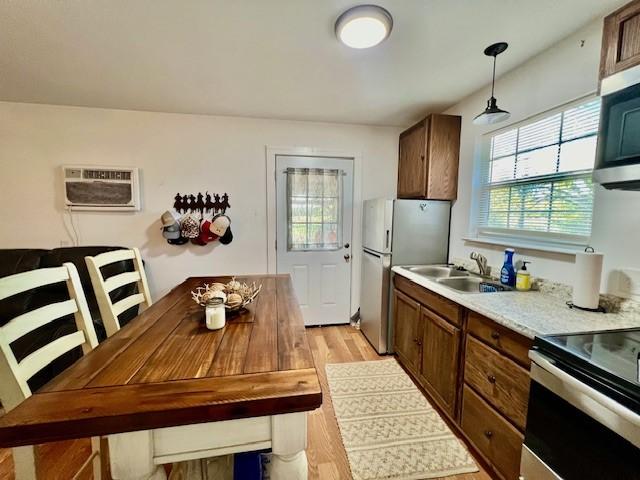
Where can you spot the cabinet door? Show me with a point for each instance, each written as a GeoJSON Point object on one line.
{"type": "Point", "coordinates": [443, 155]}
{"type": "Point", "coordinates": [440, 354]}
{"type": "Point", "coordinates": [407, 331]}
{"type": "Point", "coordinates": [621, 40]}
{"type": "Point", "coordinates": [412, 163]}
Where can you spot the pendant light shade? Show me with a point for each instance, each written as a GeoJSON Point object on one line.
{"type": "Point", "coordinates": [493, 114]}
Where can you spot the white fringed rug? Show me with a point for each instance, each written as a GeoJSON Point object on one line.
{"type": "Point", "coordinates": [389, 429]}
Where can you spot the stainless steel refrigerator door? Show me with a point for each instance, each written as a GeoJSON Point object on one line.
{"type": "Point", "coordinates": [420, 232]}
{"type": "Point", "coordinates": [374, 298]}
{"type": "Point", "coordinates": [376, 225]}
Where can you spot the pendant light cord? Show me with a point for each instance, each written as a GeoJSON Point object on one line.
{"type": "Point", "coordinates": [493, 81]}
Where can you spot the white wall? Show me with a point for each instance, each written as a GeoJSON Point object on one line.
{"type": "Point", "coordinates": [176, 153]}
{"type": "Point", "coordinates": [563, 73]}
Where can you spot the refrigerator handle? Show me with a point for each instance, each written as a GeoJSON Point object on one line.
{"type": "Point", "coordinates": [387, 242]}
{"type": "Point", "coordinates": [372, 254]}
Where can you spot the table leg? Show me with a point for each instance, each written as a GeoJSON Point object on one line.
{"type": "Point", "coordinates": [288, 442]}
{"type": "Point", "coordinates": [24, 461]}
{"type": "Point", "coordinates": [131, 457]}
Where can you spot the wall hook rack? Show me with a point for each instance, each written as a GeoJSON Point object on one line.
{"type": "Point", "coordinates": [210, 203]}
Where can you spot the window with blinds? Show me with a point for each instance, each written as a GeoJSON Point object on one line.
{"type": "Point", "coordinates": [535, 178]}
{"type": "Point", "coordinates": [314, 209]}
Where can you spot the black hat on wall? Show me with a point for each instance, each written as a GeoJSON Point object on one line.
{"type": "Point", "coordinates": [227, 237]}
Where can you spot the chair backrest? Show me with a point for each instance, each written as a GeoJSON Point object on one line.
{"type": "Point", "coordinates": [109, 311]}
{"type": "Point", "coordinates": [15, 374]}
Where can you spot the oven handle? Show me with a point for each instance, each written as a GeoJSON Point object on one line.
{"type": "Point", "coordinates": [544, 363]}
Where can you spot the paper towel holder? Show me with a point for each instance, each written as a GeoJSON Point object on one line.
{"type": "Point", "coordinates": [594, 310]}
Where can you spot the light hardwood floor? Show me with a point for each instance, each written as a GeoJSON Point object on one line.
{"type": "Point", "coordinates": [327, 457]}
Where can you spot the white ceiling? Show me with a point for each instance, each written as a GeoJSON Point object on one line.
{"type": "Point", "coordinates": [269, 58]}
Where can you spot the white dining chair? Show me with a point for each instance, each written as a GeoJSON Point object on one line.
{"type": "Point", "coordinates": [15, 374]}
{"type": "Point", "coordinates": [102, 287]}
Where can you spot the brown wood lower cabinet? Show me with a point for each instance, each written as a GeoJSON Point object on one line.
{"type": "Point", "coordinates": [473, 369]}
{"type": "Point", "coordinates": [498, 440]}
{"type": "Point", "coordinates": [498, 379]}
{"type": "Point", "coordinates": [440, 356]}
{"type": "Point", "coordinates": [408, 332]}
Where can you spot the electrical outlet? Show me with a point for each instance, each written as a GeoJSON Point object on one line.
{"type": "Point", "coordinates": [629, 282]}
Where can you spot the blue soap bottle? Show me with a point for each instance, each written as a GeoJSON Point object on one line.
{"type": "Point", "coordinates": [508, 272]}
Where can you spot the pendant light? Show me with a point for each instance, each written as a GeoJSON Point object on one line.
{"type": "Point", "coordinates": [493, 114]}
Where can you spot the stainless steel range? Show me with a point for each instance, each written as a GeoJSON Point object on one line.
{"type": "Point", "coordinates": [584, 408]}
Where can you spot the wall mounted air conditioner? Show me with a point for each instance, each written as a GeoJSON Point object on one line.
{"type": "Point", "coordinates": [104, 189]}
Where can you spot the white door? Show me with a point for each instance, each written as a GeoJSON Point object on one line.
{"type": "Point", "coordinates": [314, 205]}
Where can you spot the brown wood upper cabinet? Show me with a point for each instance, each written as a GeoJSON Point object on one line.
{"type": "Point", "coordinates": [621, 40]}
{"type": "Point", "coordinates": [428, 158]}
{"type": "Point", "coordinates": [407, 330]}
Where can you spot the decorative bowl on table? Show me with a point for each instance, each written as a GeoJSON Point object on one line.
{"type": "Point", "coordinates": [235, 295]}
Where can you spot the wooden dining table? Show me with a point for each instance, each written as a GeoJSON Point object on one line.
{"type": "Point", "coordinates": [164, 388]}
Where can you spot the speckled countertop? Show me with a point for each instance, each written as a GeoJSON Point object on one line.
{"type": "Point", "coordinates": [530, 313]}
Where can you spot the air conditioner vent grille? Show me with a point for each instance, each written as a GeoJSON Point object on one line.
{"type": "Point", "coordinates": [91, 174]}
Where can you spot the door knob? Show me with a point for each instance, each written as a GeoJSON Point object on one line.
{"type": "Point", "coordinates": [346, 245]}
{"type": "Point", "coordinates": [347, 257]}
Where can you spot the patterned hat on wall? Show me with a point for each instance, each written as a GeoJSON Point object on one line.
{"type": "Point", "coordinates": [190, 227]}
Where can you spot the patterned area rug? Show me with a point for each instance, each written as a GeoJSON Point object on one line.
{"type": "Point", "coordinates": [389, 429]}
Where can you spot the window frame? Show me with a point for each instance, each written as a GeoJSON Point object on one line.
{"type": "Point", "coordinates": [529, 239]}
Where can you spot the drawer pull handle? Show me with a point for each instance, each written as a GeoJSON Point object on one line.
{"type": "Point", "coordinates": [491, 378]}
{"type": "Point", "coordinates": [495, 335]}
{"type": "Point", "coordinates": [488, 433]}
{"type": "Point", "coordinates": [419, 343]}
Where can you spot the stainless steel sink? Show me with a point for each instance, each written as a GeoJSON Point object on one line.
{"type": "Point", "coordinates": [470, 284]}
{"type": "Point", "coordinates": [438, 271]}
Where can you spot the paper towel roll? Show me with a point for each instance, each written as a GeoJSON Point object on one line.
{"type": "Point", "coordinates": [586, 286]}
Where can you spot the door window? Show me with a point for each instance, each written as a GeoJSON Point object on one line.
{"type": "Point", "coordinates": [314, 209]}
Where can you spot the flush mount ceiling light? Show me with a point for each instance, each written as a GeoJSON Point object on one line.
{"type": "Point", "coordinates": [493, 114]}
{"type": "Point", "coordinates": [364, 26]}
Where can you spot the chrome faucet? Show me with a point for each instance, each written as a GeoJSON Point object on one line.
{"type": "Point", "coordinates": [481, 260]}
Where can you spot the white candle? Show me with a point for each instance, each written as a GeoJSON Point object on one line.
{"type": "Point", "coordinates": [215, 314]}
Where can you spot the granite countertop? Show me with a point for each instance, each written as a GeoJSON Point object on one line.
{"type": "Point", "coordinates": [532, 313]}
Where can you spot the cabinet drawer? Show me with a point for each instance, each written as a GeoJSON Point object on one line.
{"type": "Point", "coordinates": [501, 382]}
{"type": "Point", "coordinates": [444, 307]}
{"type": "Point", "coordinates": [501, 338]}
{"type": "Point", "coordinates": [498, 440]}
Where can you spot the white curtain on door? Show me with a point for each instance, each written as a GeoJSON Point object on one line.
{"type": "Point", "coordinates": [314, 209]}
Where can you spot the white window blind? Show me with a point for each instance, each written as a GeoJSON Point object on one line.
{"type": "Point", "coordinates": [535, 179]}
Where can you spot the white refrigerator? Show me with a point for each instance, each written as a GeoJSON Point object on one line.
{"type": "Point", "coordinates": [396, 232]}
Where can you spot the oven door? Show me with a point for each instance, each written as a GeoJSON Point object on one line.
{"type": "Point", "coordinates": [575, 432]}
